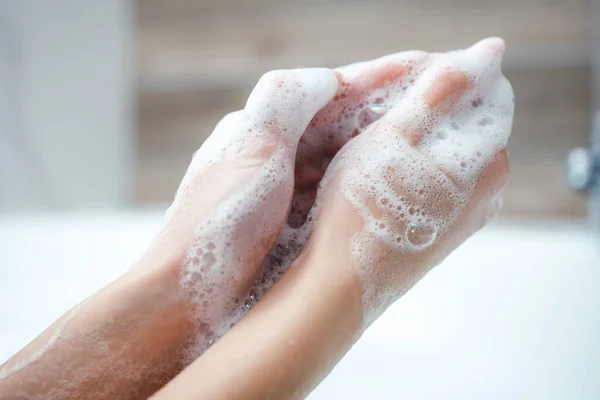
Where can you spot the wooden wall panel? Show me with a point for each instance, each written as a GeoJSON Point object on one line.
{"type": "Point", "coordinates": [203, 43]}
{"type": "Point", "coordinates": [198, 60]}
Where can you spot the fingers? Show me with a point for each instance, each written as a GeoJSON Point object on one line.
{"type": "Point", "coordinates": [381, 81]}
{"type": "Point", "coordinates": [446, 90]}
{"type": "Point", "coordinates": [413, 118]}
{"type": "Point", "coordinates": [453, 86]}
{"type": "Point", "coordinates": [277, 112]}
{"type": "Point", "coordinates": [492, 46]}
{"type": "Point", "coordinates": [365, 93]}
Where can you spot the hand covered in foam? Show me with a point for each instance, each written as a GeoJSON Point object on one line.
{"type": "Point", "coordinates": [235, 197]}
{"type": "Point", "coordinates": [421, 176]}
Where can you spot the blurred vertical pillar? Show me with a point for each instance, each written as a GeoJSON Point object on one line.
{"type": "Point", "coordinates": [67, 135]}
{"type": "Point", "coordinates": [594, 24]}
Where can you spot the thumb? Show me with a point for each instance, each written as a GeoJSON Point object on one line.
{"type": "Point", "coordinates": [285, 101]}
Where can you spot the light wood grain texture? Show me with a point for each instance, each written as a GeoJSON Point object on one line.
{"type": "Point", "coordinates": [231, 43]}
{"type": "Point", "coordinates": [552, 116]}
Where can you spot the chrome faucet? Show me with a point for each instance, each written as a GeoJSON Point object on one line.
{"type": "Point", "coordinates": [583, 164]}
{"type": "Point", "coordinates": [583, 173]}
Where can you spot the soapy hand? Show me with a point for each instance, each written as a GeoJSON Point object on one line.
{"type": "Point", "coordinates": [425, 176]}
{"type": "Point", "coordinates": [235, 196]}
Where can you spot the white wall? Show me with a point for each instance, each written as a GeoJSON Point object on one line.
{"type": "Point", "coordinates": [66, 120]}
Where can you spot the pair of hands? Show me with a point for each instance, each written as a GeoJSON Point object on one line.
{"type": "Point", "coordinates": [307, 213]}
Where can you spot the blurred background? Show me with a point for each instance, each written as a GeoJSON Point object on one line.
{"type": "Point", "coordinates": [102, 104]}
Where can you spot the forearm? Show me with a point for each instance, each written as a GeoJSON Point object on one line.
{"type": "Point", "coordinates": [123, 342]}
{"type": "Point", "coordinates": [291, 339]}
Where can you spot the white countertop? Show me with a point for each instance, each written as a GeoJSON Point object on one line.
{"type": "Point", "coordinates": [513, 314]}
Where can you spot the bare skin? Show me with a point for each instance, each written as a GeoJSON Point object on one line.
{"type": "Point", "coordinates": [137, 334]}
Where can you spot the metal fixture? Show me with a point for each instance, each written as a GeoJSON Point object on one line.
{"type": "Point", "coordinates": [583, 164]}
